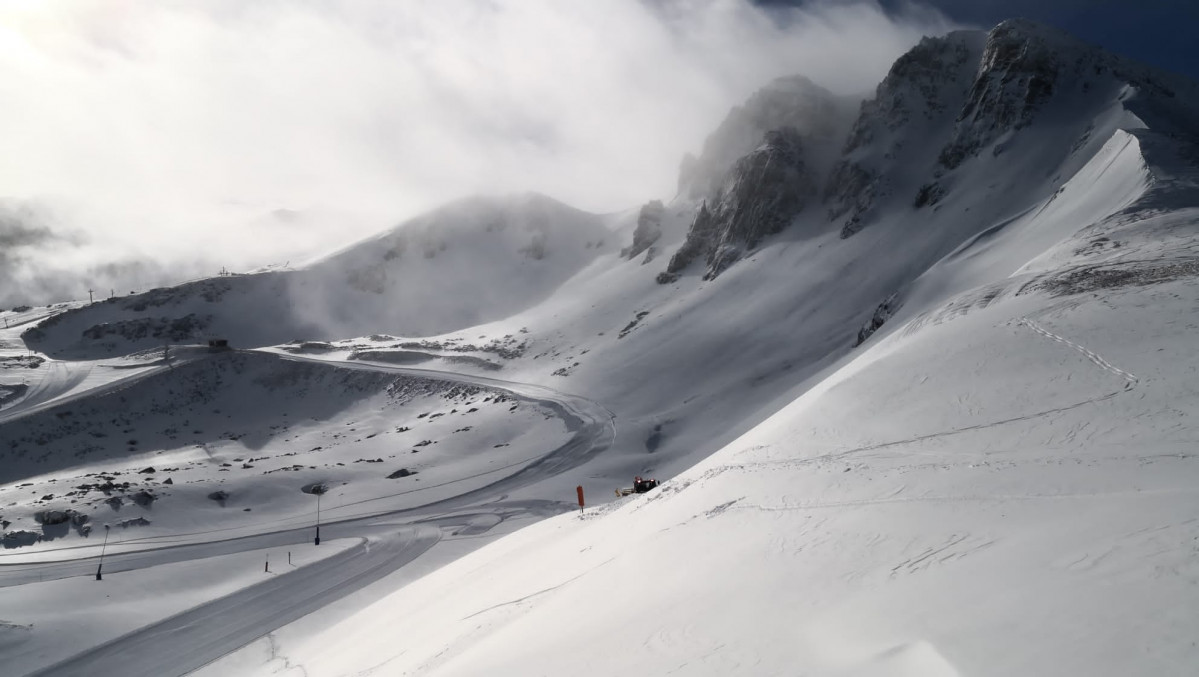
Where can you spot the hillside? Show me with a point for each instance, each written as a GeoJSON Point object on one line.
{"type": "Point", "coordinates": [997, 481]}
{"type": "Point", "coordinates": [472, 261]}
{"type": "Point", "coordinates": [916, 371]}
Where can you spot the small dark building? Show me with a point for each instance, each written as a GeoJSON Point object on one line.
{"type": "Point", "coordinates": [218, 344]}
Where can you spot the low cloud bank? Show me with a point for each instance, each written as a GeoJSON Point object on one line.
{"type": "Point", "coordinates": [234, 133]}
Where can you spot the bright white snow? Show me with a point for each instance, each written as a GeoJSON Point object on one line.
{"type": "Point", "coordinates": [1000, 480]}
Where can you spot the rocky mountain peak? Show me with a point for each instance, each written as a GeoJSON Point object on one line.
{"type": "Point", "coordinates": [760, 196]}
{"type": "Point", "coordinates": [1018, 72]}
{"type": "Point", "coordinates": [921, 94]}
{"type": "Point", "coordinates": [929, 79]}
{"type": "Point", "coordinates": [794, 102]}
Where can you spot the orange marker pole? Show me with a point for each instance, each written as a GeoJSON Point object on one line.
{"type": "Point", "coordinates": [579, 490]}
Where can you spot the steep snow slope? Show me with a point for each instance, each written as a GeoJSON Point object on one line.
{"type": "Point", "coordinates": [1017, 197]}
{"type": "Point", "coordinates": [474, 260]}
{"type": "Point", "coordinates": [979, 497]}
{"type": "Point", "coordinates": [999, 481]}
{"type": "Point", "coordinates": [689, 365]}
{"type": "Point", "coordinates": [1003, 484]}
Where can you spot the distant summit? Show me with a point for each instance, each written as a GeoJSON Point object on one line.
{"type": "Point", "coordinates": [955, 113]}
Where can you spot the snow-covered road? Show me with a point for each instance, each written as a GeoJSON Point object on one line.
{"type": "Point", "coordinates": [189, 640]}
{"type": "Point", "coordinates": [593, 427]}
{"type": "Point", "coordinates": [388, 540]}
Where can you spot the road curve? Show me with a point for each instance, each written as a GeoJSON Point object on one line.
{"type": "Point", "coordinates": [593, 425]}
{"type": "Point", "coordinates": [391, 539]}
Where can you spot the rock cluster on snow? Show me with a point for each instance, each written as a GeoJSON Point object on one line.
{"type": "Point", "coordinates": [881, 314]}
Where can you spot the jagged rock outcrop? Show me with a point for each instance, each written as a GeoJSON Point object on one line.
{"type": "Point", "coordinates": [913, 104]}
{"type": "Point", "coordinates": [882, 313]}
{"type": "Point", "coordinates": [1018, 72]}
{"type": "Point", "coordinates": [760, 196]}
{"type": "Point", "coordinates": [952, 99]}
{"type": "Point", "coordinates": [793, 102]}
{"type": "Point", "coordinates": [649, 229]}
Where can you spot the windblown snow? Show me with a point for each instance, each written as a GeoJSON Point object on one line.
{"type": "Point", "coordinates": [919, 380]}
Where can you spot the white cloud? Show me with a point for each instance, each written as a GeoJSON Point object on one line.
{"type": "Point", "coordinates": [175, 128]}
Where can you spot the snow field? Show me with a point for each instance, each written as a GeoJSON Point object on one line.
{"type": "Point", "coordinates": [45, 622]}
{"type": "Point", "coordinates": [259, 429]}
{"type": "Point", "coordinates": [1020, 511]}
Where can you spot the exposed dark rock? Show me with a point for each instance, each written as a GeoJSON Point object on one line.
{"type": "Point", "coordinates": [1017, 74]}
{"type": "Point", "coordinates": [21, 537]}
{"type": "Point", "coordinates": [52, 516]}
{"type": "Point", "coordinates": [219, 496]}
{"type": "Point", "coordinates": [928, 195]}
{"type": "Point", "coordinates": [632, 324]}
{"type": "Point", "coordinates": [922, 90]}
{"type": "Point", "coordinates": [793, 102]}
{"type": "Point", "coordinates": [762, 194]}
{"type": "Point", "coordinates": [649, 229]}
{"type": "Point", "coordinates": [187, 328]}
{"type": "Point", "coordinates": [402, 472]}
{"type": "Point", "coordinates": [881, 314]}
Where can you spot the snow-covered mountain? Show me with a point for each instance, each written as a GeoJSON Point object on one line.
{"type": "Point", "coordinates": [472, 261]}
{"type": "Point", "coordinates": [918, 375]}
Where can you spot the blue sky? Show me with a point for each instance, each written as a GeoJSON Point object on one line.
{"type": "Point", "coordinates": [1159, 32]}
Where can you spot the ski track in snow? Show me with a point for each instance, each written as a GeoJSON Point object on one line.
{"type": "Point", "coordinates": [838, 455]}
{"type": "Point", "coordinates": [1130, 379]}
{"type": "Point", "coordinates": [1089, 354]}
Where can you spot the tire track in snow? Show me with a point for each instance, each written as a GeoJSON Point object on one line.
{"type": "Point", "coordinates": [1089, 354]}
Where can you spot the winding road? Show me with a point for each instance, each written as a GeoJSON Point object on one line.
{"type": "Point", "coordinates": [388, 540]}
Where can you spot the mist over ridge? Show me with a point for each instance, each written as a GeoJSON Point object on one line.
{"type": "Point", "coordinates": [170, 141]}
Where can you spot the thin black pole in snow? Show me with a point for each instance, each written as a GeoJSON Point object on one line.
{"type": "Point", "coordinates": [268, 564]}
{"type": "Point", "coordinates": [99, 575]}
{"type": "Point", "coordinates": [318, 519]}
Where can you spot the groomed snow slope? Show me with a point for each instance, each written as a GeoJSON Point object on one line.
{"type": "Point", "coordinates": [1003, 480]}
{"type": "Point", "coordinates": [1006, 484]}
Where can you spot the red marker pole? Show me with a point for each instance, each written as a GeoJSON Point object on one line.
{"type": "Point", "coordinates": [579, 490]}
